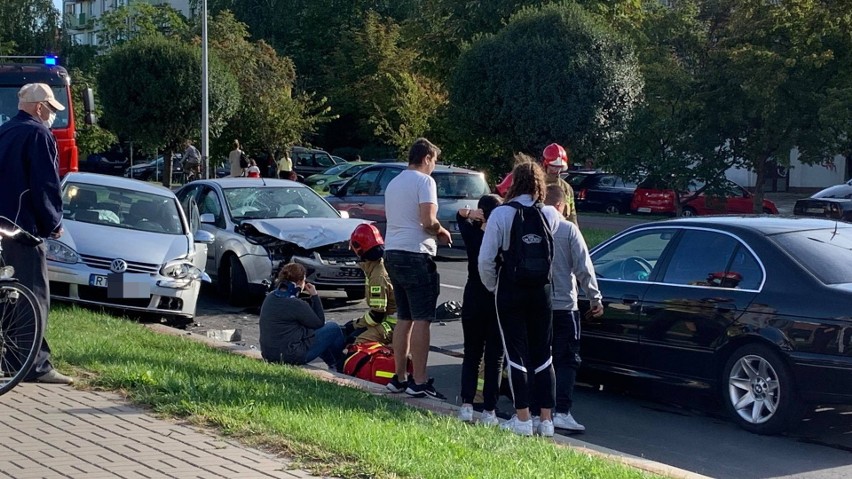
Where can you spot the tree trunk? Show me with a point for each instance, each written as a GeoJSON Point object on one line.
{"type": "Point", "coordinates": [760, 179]}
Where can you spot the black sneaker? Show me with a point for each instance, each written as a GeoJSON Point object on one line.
{"type": "Point", "coordinates": [396, 386]}
{"type": "Point", "coordinates": [423, 390]}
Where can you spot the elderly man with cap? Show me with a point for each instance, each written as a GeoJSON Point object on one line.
{"type": "Point", "coordinates": [30, 196]}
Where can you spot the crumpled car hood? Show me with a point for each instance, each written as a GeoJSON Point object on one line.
{"type": "Point", "coordinates": [307, 233]}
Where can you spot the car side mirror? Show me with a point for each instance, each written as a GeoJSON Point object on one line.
{"type": "Point", "coordinates": [208, 218]}
{"type": "Point", "coordinates": [344, 214]}
{"type": "Point", "coordinates": [205, 237]}
{"type": "Point", "coordinates": [334, 189]}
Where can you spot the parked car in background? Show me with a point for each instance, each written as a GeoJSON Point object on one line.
{"type": "Point", "coordinates": [363, 196]}
{"type": "Point", "coordinates": [598, 191]}
{"type": "Point", "coordinates": [753, 309]}
{"type": "Point", "coordinates": [654, 195]}
{"type": "Point", "coordinates": [343, 171]}
{"type": "Point", "coordinates": [261, 225]}
{"type": "Point", "coordinates": [833, 202]}
{"type": "Point", "coordinates": [310, 161]}
{"type": "Point", "coordinates": [153, 170]}
{"type": "Point", "coordinates": [105, 164]}
{"type": "Point", "coordinates": [127, 244]}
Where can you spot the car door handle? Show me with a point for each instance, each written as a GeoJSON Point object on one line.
{"type": "Point", "coordinates": [629, 299]}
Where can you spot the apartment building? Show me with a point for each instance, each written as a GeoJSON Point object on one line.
{"type": "Point", "coordinates": [80, 15]}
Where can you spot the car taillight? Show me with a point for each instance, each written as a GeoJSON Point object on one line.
{"type": "Point", "coordinates": [581, 195]}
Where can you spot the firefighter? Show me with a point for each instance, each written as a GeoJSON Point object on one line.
{"type": "Point", "coordinates": [376, 324]}
{"type": "Point", "coordinates": [554, 160]}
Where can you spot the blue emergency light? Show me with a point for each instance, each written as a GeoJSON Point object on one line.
{"type": "Point", "coordinates": [50, 60]}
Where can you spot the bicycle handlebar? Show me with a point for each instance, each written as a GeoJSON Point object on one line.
{"type": "Point", "coordinates": [18, 231]}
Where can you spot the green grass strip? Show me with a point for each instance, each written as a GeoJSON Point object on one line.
{"type": "Point", "coordinates": [328, 428]}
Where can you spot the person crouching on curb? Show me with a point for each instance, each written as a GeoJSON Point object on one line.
{"type": "Point", "coordinates": [293, 332]}
{"type": "Point", "coordinates": [377, 324]}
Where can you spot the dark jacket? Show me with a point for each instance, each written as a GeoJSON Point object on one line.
{"type": "Point", "coordinates": [287, 326]}
{"type": "Point", "coordinates": [29, 175]}
{"type": "Point", "coordinates": [472, 235]}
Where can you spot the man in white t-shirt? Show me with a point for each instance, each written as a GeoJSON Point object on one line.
{"type": "Point", "coordinates": [411, 241]}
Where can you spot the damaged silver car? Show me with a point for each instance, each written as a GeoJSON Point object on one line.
{"type": "Point", "coordinates": [262, 224]}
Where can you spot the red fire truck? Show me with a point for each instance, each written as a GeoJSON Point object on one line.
{"type": "Point", "coordinates": [15, 75]}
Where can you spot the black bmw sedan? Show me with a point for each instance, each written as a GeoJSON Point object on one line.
{"type": "Point", "coordinates": [755, 309]}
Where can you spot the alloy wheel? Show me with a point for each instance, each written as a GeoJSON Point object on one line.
{"type": "Point", "coordinates": [754, 389]}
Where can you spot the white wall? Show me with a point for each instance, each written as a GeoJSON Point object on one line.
{"type": "Point", "coordinates": [800, 175]}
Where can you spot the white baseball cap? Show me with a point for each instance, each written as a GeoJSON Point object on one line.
{"type": "Point", "coordinates": [38, 93]}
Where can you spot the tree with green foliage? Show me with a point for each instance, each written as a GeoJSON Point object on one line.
{"type": "Point", "coordinates": [90, 138]}
{"type": "Point", "coordinates": [272, 115]}
{"type": "Point", "coordinates": [28, 27]}
{"type": "Point", "coordinates": [381, 89]}
{"type": "Point", "coordinates": [555, 73]}
{"type": "Point", "coordinates": [666, 139]}
{"type": "Point", "coordinates": [138, 19]}
{"type": "Point", "coordinates": [768, 67]}
{"type": "Point", "coordinates": [151, 93]}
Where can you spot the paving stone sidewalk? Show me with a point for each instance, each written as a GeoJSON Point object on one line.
{"type": "Point", "coordinates": [56, 431]}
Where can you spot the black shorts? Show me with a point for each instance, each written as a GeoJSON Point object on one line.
{"type": "Point", "coordinates": [416, 284]}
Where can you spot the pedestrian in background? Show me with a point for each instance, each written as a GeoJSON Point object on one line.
{"type": "Point", "coordinates": [479, 319]}
{"type": "Point", "coordinates": [191, 160]}
{"type": "Point", "coordinates": [413, 233]}
{"type": "Point", "coordinates": [234, 158]}
{"type": "Point", "coordinates": [523, 306]}
{"type": "Point", "coordinates": [253, 171]}
{"type": "Point", "coordinates": [571, 265]}
{"type": "Point", "coordinates": [30, 196]}
{"type": "Point", "coordinates": [285, 168]}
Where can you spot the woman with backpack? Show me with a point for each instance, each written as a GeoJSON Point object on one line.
{"type": "Point", "coordinates": [515, 263]}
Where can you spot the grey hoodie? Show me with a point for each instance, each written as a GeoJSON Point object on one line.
{"type": "Point", "coordinates": [571, 261]}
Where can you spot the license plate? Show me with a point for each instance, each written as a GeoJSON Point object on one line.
{"type": "Point", "coordinates": [128, 285]}
{"type": "Point", "coordinates": [98, 280]}
{"type": "Point", "coordinates": [644, 209]}
{"type": "Point", "coordinates": [815, 210]}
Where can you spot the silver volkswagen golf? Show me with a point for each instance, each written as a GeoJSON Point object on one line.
{"type": "Point", "coordinates": [127, 244]}
{"type": "Point", "coordinates": [261, 224]}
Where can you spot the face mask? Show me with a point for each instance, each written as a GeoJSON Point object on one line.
{"type": "Point", "coordinates": [51, 117]}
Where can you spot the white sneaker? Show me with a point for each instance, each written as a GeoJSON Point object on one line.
{"type": "Point", "coordinates": [536, 422]}
{"type": "Point", "coordinates": [489, 418]}
{"type": "Point", "coordinates": [545, 428]}
{"type": "Point", "coordinates": [523, 428]}
{"type": "Point", "coordinates": [563, 420]}
{"type": "Point", "coordinates": [466, 413]}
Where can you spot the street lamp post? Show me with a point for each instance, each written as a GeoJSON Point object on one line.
{"type": "Point", "coordinates": [205, 112]}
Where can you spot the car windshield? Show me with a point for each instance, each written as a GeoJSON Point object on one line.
{"type": "Point", "coordinates": [277, 202]}
{"type": "Point", "coordinates": [460, 185]}
{"type": "Point", "coordinates": [121, 208]}
{"type": "Point", "coordinates": [576, 180]}
{"type": "Point", "coordinates": [824, 252]}
{"type": "Point", "coordinates": [9, 104]}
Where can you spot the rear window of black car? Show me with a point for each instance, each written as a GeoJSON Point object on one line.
{"type": "Point", "coordinates": [825, 253]}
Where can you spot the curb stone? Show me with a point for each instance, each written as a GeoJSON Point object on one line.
{"type": "Point", "coordinates": [439, 407]}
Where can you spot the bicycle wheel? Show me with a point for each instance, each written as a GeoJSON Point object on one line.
{"type": "Point", "coordinates": [21, 330]}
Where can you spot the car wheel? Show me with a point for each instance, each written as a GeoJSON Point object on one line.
{"type": "Point", "coordinates": [612, 209]}
{"type": "Point", "coordinates": [689, 212]}
{"type": "Point", "coordinates": [758, 390]}
{"type": "Point", "coordinates": [238, 289]}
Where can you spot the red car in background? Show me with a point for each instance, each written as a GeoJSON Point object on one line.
{"type": "Point", "coordinates": [656, 197]}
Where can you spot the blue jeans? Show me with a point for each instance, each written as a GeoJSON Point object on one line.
{"type": "Point", "coordinates": [328, 345]}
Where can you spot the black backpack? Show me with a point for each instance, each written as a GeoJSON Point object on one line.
{"type": "Point", "coordinates": [243, 161]}
{"type": "Point", "coordinates": [530, 254]}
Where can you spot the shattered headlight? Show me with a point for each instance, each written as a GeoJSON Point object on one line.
{"type": "Point", "coordinates": [181, 269]}
{"type": "Point", "coordinates": [61, 253]}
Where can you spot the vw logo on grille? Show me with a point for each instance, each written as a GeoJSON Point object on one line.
{"type": "Point", "coordinates": [118, 266]}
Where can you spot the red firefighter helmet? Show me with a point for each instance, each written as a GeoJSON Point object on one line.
{"type": "Point", "coordinates": [554, 156]}
{"type": "Point", "coordinates": [365, 237]}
